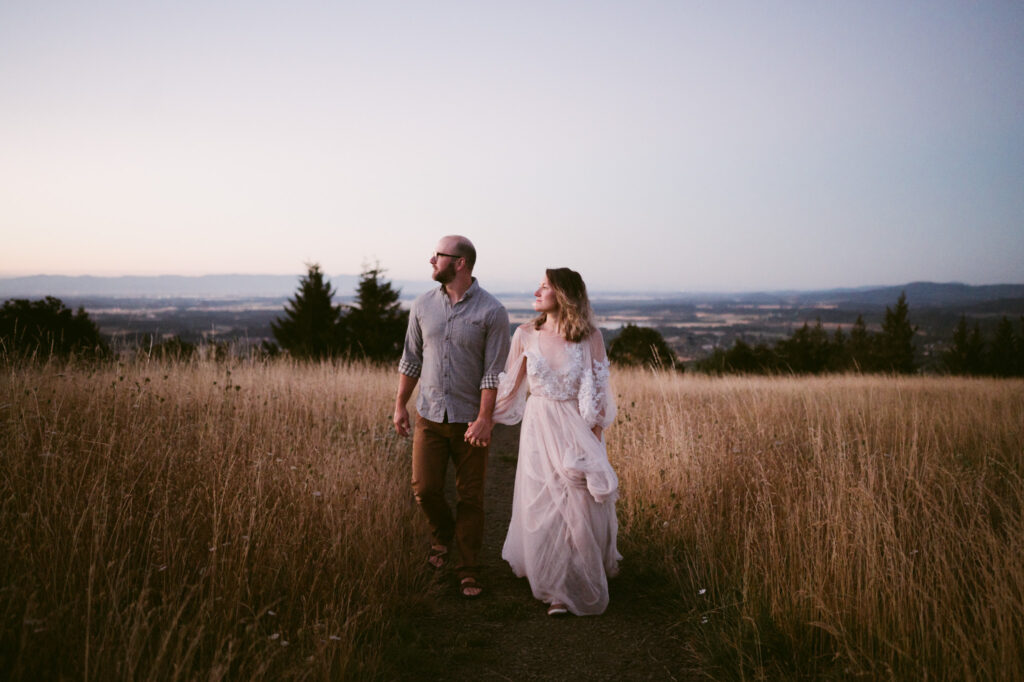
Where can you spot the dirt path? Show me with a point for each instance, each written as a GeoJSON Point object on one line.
{"type": "Point", "coordinates": [507, 635]}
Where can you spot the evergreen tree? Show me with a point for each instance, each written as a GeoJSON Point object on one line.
{"type": "Point", "coordinates": [965, 356]}
{"type": "Point", "coordinates": [807, 351]}
{"type": "Point", "coordinates": [839, 358]}
{"type": "Point", "coordinates": [642, 346]}
{"type": "Point", "coordinates": [896, 342]}
{"type": "Point", "coordinates": [1019, 348]}
{"type": "Point", "coordinates": [1002, 356]}
{"type": "Point", "coordinates": [976, 351]}
{"type": "Point", "coordinates": [742, 358]}
{"type": "Point", "coordinates": [859, 347]}
{"type": "Point", "coordinates": [47, 328]}
{"type": "Point", "coordinates": [375, 326]}
{"type": "Point", "coordinates": [311, 327]}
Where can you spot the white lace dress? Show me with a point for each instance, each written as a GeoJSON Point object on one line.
{"type": "Point", "coordinates": [563, 528]}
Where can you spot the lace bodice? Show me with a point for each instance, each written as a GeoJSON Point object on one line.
{"type": "Point", "coordinates": [556, 369]}
{"type": "Point", "coordinates": [561, 384]}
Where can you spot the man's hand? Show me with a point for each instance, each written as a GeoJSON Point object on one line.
{"type": "Point", "coordinates": [406, 384]}
{"type": "Point", "coordinates": [478, 433]}
{"type": "Point", "coordinates": [401, 420]}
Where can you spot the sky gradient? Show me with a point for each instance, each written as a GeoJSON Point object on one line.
{"type": "Point", "coordinates": [689, 146]}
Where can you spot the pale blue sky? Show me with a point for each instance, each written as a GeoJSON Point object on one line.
{"type": "Point", "coordinates": [650, 145]}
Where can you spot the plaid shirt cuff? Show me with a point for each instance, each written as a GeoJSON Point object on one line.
{"type": "Point", "coordinates": [409, 368]}
{"type": "Point", "coordinates": [489, 381]}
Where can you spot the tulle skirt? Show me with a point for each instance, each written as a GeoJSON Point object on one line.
{"type": "Point", "coordinates": [563, 528]}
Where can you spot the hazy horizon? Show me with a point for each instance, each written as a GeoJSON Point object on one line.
{"type": "Point", "coordinates": [343, 281]}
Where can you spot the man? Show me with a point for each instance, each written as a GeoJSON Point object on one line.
{"type": "Point", "coordinates": [455, 348]}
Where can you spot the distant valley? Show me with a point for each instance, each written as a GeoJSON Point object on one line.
{"type": "Point", "coordinates": [240, 308]}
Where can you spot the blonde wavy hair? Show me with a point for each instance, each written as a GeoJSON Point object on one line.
{"type": "Point", "coordinates": [574, 314]}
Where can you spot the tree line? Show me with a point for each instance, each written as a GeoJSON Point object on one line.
{"type": "Point", "coordinates": [812, 350]}
{"type": "Point", "coordinates": [972, 354]}
{"type": "Point", "coordinates": [312, 327]}
{"type": "Point", "coordinates": [372, 328]}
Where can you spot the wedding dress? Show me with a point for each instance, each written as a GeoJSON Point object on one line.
{"type": "Point", "coordinates": [563, 528]}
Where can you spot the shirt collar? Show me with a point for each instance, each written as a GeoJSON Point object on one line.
{"type": "Point", "coordinates": [473, 288]}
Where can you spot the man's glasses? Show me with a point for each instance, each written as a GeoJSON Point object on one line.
{"type": "Point", "coordinates": [438, 254]}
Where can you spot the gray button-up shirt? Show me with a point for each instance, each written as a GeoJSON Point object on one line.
{"type": "Point", "coordinates": [455, 350]}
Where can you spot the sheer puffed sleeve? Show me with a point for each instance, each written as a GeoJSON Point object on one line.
{"type": "Point", "coordinates": [512, 384]}
{"type": "Point", "coordinates": [597, 403]}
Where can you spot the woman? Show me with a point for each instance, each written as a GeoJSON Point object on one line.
{"type": "Point", "coordinates": [562, 533]}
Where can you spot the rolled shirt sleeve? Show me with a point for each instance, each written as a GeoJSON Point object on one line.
{"type": "Point", "coordinates": [411, 363]}
{"type": "Point", "coordinates": [409, 368]}
{"type": "Point", "coordinates": [495, 348]}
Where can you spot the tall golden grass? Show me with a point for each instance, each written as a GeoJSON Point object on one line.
{"type": "Point", "coordinates": [253, 521]}
{"type": "Point", "coordinates": [833, 526]}
{"type": "Point", "coordinates": [201, 521]}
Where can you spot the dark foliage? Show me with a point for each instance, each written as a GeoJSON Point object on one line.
{"type": "Point", "coordinates": [807, 351]}
{"type": "Point", "coordinates": [374, 328]}
{"type": "Point", "coordinates": [642, 346]}
{"type": "Point", "coordinates": [742, 358]}
{"type": "Point", "coordinates": [314, 328]}
{"type": "Point", "coordinates": [311, 329]}
{"type": "Point", "coordinates": [46, 328]}
{"type": "Point", "coordinates": [174, 348]}
{"type": "Point", "coordinates": [970, 354]}
{"type": "Point", "coordinates": [860, 349]}
{"type": "Point", "coordinates": [896, 342]}
{"type": "Point", "coordinates": [1004, 355]}
{"type": "Point", "coordinates": [811, 350]}
{"type": "Point", "coordinates": [966, 355]}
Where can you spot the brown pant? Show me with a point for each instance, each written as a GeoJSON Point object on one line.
{"type": "Point", "coordinates": [432, 445]}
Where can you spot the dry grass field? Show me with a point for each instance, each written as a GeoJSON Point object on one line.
{"type": "Point", "coordinates": [253, 521]}
{"type": "Point", "coordinates": [200, 521]}
{"type": "Point", "coordinates": [846, 526]}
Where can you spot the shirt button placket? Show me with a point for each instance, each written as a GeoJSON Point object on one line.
{"type": "Point", "coordinates": [447, 361]}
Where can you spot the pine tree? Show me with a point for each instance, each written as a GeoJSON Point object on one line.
{"type": "Point", "coordinates": [896, 342]}
{"type": "Point", "coordinates": [311, 327]}
{"type": "Point", "coordinates": [965, 356]}
{"type": "Point", "coordinates": [740, 358]}
{"type": "Point", "coordinates": [1019, 349]}
{"type": "Point", "coordinates": [976, 351]}
{"type": "Point", "coordinates": [859, 347]}
{"type": "Point", "coordinates": [806, 351]}
{"type": "Point", "coordinates": [839, 357]}
{"type": "Point", "coordinates": [375, 326]}
{"type": "Point", "coordinates": [1002, 355]}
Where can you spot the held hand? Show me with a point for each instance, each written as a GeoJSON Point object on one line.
{"type": "Point", "coordinates": [478, 433]}
{"type": "Point", "coordinates": [401, 420]}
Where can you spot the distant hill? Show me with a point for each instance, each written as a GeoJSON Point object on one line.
{"type": "Point", "coordinates": [932, 294]}
{"type": "Point", "coordinates": [919, 295]}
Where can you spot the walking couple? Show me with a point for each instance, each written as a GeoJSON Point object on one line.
{"type": "Point", "coordinates": [457, 349]}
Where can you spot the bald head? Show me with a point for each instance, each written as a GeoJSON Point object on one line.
{"type": "Point", "coordinates": [462, 247]}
